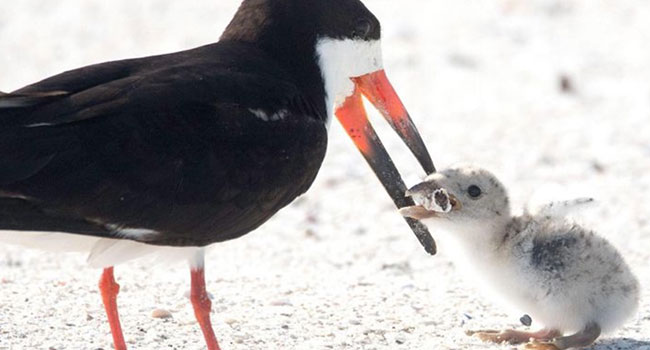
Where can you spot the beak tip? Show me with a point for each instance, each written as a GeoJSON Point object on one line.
{"type": "Point", "coordinates": [423, 235]}
{"type": "Point", "coordinates": [405, 212]}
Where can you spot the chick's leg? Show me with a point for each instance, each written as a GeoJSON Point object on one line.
{"type": "Point", "coordinates": [513, 336]}
{"type": "Point", "coordinates": [583, 338]}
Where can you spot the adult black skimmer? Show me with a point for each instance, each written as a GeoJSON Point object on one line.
{"type": "Point", "coordinates": [199, 146]}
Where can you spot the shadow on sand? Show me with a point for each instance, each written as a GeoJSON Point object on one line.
{"type": "Point", "coordinates": [621, 344]}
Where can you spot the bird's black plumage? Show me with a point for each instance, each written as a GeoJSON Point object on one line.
{"type": "Point", "coordinates": [166, 143]}
{"type": "Point", "coordinates": [193, 147]}
{"type": "Point", "coordinates": [199, 146]}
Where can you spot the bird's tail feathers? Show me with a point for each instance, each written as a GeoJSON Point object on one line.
{"type": "Point", "coordinates": [563, 208]}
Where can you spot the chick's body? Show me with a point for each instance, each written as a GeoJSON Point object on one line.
{"type": "Point", "coordinates": [564, 276]}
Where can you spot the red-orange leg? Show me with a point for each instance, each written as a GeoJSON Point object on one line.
{"type": "Point", "coordinates": [109, 290]}
{"type": "Point", "coordinates": [202, 304]}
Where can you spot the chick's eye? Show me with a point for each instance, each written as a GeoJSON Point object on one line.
{"type": "Point", "coordinates": [362, 29]}
{"type": "Point", "coordinates": [474, 191]}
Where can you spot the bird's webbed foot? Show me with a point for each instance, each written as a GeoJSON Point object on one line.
{"type": "Point", "coordinates": [512, 336]}
{"type": "Point", "coordinates": [541, 345]}
{"type": "Point", "coordinates": [583, 338]}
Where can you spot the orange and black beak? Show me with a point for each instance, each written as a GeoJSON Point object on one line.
{"type": "Point", "coordinates": [352, 115]}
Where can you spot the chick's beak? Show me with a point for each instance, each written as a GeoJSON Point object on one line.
{"type": "Point", "coordinates": [455, 203]}
{"type": "Point", "coordinates": [352, 115]}
{"type": "Point", "coordinates": [417, 212]}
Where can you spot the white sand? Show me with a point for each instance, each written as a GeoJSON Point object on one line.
{"type": "Point", "coordinates": [339, 269]}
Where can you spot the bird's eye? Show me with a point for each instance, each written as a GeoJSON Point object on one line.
{"type": "Point", "coordinates": [474, 191]}
{"type": "Point", "coordinates": [362, 29]}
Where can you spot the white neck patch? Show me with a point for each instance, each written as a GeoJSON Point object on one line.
{"type": "Point", "coordinates": [340, 60]}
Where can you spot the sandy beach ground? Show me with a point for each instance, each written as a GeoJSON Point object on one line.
{"type": "Point", "coordinates": [339, 269]}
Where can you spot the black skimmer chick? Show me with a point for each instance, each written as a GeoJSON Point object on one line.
{"type": "Point", "coordinates": [195, 147]}
{"type": "Point", "coordinates": [561, 274]}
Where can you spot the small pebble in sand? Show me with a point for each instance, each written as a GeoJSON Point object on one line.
{"type": "Point", "coordinates": [282, 302]}
{"type": "Point", "coordinates": [161, 313]}
{"type": "Point", "coordinates": [566, 84]}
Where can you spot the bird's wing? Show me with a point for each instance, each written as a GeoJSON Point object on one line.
{"type": "Point", "coordinates": [70, 87]}
{"type": "Point", "coordinates": [18, 100]}
{"type": "Point", "coordinates": [551, 253]}
{"type": "Point", "coordinates": [170, 148]}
